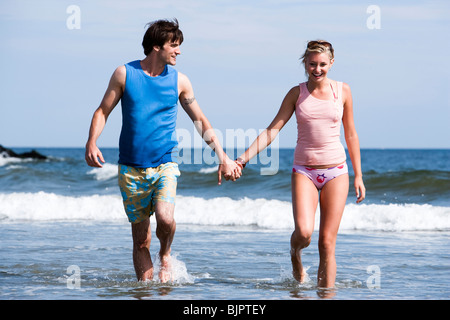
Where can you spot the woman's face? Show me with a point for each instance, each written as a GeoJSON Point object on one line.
{"type": "Point", "coordinates": [317, 66]}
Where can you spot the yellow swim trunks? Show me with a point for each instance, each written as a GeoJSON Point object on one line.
{"type": "Point", "coordinates": [142, 188]}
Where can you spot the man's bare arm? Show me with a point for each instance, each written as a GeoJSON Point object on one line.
{"type": "Point", "coordinates": [227, 167]}
{"type": "Point", "coordinates": [110, 99]}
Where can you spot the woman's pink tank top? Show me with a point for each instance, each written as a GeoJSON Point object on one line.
{"type": "Point", "coordinates": [319, 126]}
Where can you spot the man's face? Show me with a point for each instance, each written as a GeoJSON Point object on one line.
{"type": "Point", "coordinates": [169, 51]}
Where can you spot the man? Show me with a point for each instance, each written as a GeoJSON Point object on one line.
{"type": "Point", "coordinates": [150, 90]}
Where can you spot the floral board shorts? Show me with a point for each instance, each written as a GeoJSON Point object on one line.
{"type": "Point", "coordinates": [142, 188]}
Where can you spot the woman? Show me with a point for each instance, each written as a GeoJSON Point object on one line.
{"type": "Point", "coordinates": [319, 171]}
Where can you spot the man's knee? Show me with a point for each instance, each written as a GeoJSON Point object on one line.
{"type": "Point", "coordinates": [141, 234]}
{"type": "Point", "coordinates": [142, 241]}
{"type": "Point", "coordinates": [165, 227]}
{"type": "Point", "coordinates": [165, 216]}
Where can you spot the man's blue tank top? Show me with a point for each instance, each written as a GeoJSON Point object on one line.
{"type": "Point", "coordinates": [149, 113]}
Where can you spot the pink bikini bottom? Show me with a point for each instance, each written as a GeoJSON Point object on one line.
{"type": "Point", "coordinates": [321, 176]}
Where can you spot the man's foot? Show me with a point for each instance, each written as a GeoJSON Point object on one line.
{"type": "Point", "coordinates": [165, 270]}
{"type": "Point", "coordinates": [146, 276]}
{"type": "Point", "coordinates": [298, 272]}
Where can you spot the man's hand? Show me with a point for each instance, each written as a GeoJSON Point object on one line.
{"type": "Point", "coordinates": [229, 169]}
{"type": "Point", "coordinates": [93, 154]}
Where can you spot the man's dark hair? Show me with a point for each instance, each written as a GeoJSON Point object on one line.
{"type": "Point", "coordinates": [159, 32]}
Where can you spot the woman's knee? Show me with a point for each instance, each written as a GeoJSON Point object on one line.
{"type": "Point", "coordinates": [327, 244]}
{"type": "Point", "coordinates": [301, 239]}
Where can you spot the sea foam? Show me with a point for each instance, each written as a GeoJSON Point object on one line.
{"type": "Point", "coordinates": [108, 171]}
{"type": "Point", "coordinates": [223, 211]}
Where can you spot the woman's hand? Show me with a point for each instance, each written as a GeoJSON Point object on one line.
{"type": "Point", "coordinates": [360, 190]}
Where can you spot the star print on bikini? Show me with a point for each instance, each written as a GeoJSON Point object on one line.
{"type": "Point", "coordinates": [321, 178]}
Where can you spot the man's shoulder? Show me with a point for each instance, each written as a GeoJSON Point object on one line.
{"type": "Point", "coordinates": [183, 77]}
{"type": "Point", "coordinates": [120, 74]}
{"type": "Point", "coordinates": [171, 69]}
{"type": "Point", "coordinates": [184, 81]}
{"type": "Point", "coordinates": [133, 63]}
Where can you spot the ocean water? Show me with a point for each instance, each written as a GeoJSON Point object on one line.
{"type": "Point", "coordinates": [64, 234]}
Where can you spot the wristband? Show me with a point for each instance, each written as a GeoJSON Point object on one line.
{"type": "Point", "coordinates": [241, 162]}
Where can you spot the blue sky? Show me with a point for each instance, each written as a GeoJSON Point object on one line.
{"type": "Point", "coordinates": [241, 56]}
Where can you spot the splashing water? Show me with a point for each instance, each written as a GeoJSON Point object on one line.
{"type": "Point", "coordinates": [178, 270]}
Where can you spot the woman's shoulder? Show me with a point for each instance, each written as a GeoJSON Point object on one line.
{"type": "Point", "coordinates": [342, 83]}
{"type": "Point", "coordinates": [293, 93]}
{"type": "Point", "coordinates": [345, 88]}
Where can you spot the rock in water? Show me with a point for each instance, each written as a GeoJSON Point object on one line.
{"type": "Point", "coordinates": [8, 153]}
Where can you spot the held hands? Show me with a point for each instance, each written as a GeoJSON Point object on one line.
{"type": "Point", "coordinates": [231, 170]}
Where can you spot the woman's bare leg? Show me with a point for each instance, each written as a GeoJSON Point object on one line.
{"type": "Point", "coordinates": [332, 203]}
{"type": "Point", "coordinates": [305, 198]}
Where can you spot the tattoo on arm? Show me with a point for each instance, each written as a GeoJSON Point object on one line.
{"type": "Point", "coordinates": [188, 101]}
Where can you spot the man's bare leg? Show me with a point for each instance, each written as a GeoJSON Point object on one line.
{"type": "Point", "coordinates": [143, 265]}
{"type": "Point", "coordinates": [165, 231]}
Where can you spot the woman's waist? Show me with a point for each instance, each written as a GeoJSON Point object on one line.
{"type": "Point", "coordinates": [325, 166]}
{"type": "Point", "coordinates": [323, 157]}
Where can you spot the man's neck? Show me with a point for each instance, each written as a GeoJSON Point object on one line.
{"type": "Point", "coordinates": [151, 66]}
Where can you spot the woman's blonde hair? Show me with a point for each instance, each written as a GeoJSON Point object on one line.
{"type": "Point", "coordinates": [318, 46]}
